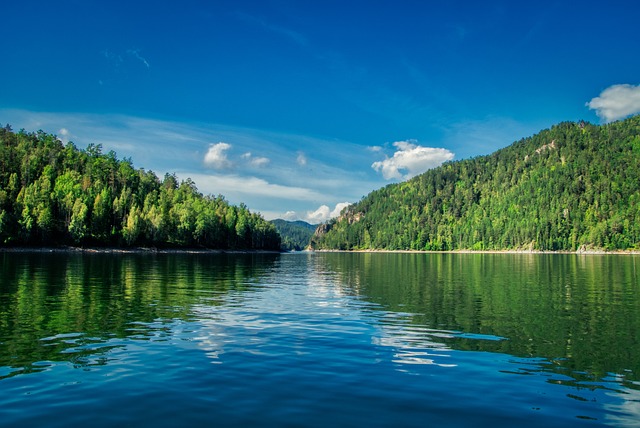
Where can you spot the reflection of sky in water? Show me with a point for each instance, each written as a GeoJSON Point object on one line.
{"type": "Point", "coordinates": [412, 344]}
{"type": "Point", "coordinates": [627, 412]}
{"type": "Point", "coordinates": [302, 333]}
{"type": "Point", "coordinates": [311, 316]}
{"type": "Point", "coordinates": [314, 305]}
{"type": "Point", "coordinates": [284, 316]}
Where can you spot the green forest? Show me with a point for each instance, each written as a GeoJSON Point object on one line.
{"type": "Point", "coordinates": [573, 187]}
{"type": "Point", "coordinates": [295, 234]}
{"type": "Point", "coordinates": [55, 194]}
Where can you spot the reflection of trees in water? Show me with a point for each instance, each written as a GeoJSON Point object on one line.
{"type": "Point", "coordinates": [70, 307]}
{"type": "Point", "coordinates": [581, 312]}
{"type": "Point", "coordinates": [301, 309]}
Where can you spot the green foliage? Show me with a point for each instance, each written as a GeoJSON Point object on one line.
{"type": "Point", "coordinates": [55, 194]}
{"type": "Point", "coordinates": [570, 187]}
{"type": "Point", "coordinates": [295, 234]}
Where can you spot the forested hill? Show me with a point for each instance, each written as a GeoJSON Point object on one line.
{"type": "Point", "coordinates": [295, 234]}
{"type": "Point", "coordinates": [55, 194]}
{"type": "Point", "coordinates": [574, 186]}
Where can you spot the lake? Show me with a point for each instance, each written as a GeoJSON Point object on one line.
{"type": "Point", "coordinates": [319, 339]}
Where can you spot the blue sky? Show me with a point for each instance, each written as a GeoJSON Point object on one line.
{"type": "Point", "coordinates": [299, 107]}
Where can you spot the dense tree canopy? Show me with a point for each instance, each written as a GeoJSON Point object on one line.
{"type": "Point", "coordinates": [56, 194]}
{"type": "Point", "coordinates": [295, 234]}
{"type": "Point", "coordinates": [570, 187]}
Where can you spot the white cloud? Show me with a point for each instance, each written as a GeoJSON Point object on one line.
{"type": "Point", "coordinates": [338, 209]}
{"type": "Point", "coordinates": [301, 159]}
{"type": "Point", "coordinates": [290, 216]}
{"type": "Point", "coordinates": [324, 213]}
{"type": "Point", "coordinates": [410, 160]}
{"type": "Point", "coordinates": [239, 187]}
{"type": "Point", "coordinates": [216, 156]}
{"type": "Point", "coordinates": [374, 149]}
{"type": "Point", "coordinates": [64, 135]}
{"type": "Point", "coordinates": [320, 215]}
{"type": "Point", "coordinates": [616, 102]}
{"type": "Point", "coordinates": [260, 162]}
{"type": "Point", "coordinates": [257, 162]}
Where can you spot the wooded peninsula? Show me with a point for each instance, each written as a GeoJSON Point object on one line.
{"type": "Point", "coordinates": [52, 194]}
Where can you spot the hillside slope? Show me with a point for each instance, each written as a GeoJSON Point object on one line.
{"type": "Point", "coordinates": [295, 234]}
{"type": "Point", "coordinates": [55, 194]}
{"type": "Point", "coordinates": [573, 186]}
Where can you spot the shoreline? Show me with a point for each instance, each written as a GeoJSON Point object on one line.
{"type": "Point", "coordinates": [153, 250]}
{"type": "Point", "coordinates": [578, 252]}
{"type": "Point", "coordinates": [133, 250]}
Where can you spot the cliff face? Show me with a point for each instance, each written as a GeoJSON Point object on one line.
{"type": "Point", "coordinates": [321, 230]}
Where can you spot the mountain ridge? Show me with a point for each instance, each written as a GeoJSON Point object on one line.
{"type": "Point", "coordinates": [295, 234]}
{"type": "Point", "coordinates": [574, 186]}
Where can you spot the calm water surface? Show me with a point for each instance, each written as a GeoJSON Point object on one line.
{"type": "Point", "coordinates": [319, 340]}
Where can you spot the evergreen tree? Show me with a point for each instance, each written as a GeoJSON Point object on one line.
{"type": "Point", "coordinates": [570, 187]}
{"type": "Point", "coordinates": [55, 194]}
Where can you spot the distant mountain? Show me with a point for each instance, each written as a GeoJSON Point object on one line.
{"type": "Point", "coordinates": [295, 234]}
{"type": "Point", "coordinates": [574, 186]}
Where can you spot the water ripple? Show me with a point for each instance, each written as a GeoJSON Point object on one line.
{"type": "Point", "coordinates": [286, 341]}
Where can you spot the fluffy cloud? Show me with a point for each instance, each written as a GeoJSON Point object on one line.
{"type": "Point", "coordinates": [322, 214]}
{"type": "Point", "coordinates": [410, 160]}
{"type": "Point", "coordinates": [616, 102]}
{"type": "Point", "coordinates": [216, 156]}
{"type": "Point", "coordinates": [255, 161]}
